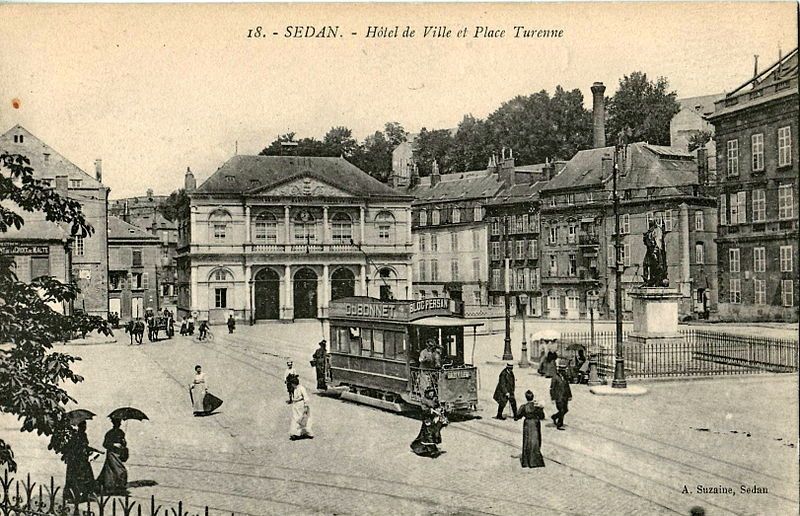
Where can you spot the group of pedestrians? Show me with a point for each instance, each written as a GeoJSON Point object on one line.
{"type": "Point", "coordinates": [80, 484]}
{"type": "Point", "coordinates": [533, 412]}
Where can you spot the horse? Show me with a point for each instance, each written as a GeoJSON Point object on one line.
{"type": "Point", "coordinates": [136, 330]}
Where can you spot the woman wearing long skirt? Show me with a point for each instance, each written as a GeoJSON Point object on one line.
{"type": "Point", "coordinates": [300, 425]}
{"type": "Point", "coordinates": [113, 479]}
{"type": "Point", "coordinates": [79, 485]}
{"type": "Point", "coordinates": [430, 433]}
{"type": "Point", "coordinates": [197, 391]}
{"type": "Point", "coordinates": [531, 433]}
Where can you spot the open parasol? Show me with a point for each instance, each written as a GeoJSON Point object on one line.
{"type": "Point", "coordinates": [125, 413]}
{"type": "Point", "coordinates": [79, 415]}
{"type": "Point", "coordinates": [576, 346]}
{"type": "Point", "coordinates": [546, 335]}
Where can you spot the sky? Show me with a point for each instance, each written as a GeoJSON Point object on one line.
{"type": "Point", "coordinates": [154, 89]}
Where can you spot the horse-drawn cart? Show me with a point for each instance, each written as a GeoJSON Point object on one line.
{"type": "Point", "coordinates": [158, 326]}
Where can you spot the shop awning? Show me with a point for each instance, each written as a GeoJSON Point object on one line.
{"type": "Point", "coordinates": [444, 322]}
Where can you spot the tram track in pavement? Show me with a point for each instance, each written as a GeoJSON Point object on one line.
{"type": "Point", "coordinates": [246, 351]}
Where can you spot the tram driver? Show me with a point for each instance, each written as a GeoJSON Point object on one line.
{"type": "Point", "coordinates": [430, 357]}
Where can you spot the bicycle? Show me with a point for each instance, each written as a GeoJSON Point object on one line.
{"type": "Point", "coordinates": [208, 338]}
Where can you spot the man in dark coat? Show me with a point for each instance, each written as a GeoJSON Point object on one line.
{"type": "Point", "coordinates": [504, 392]}
{"type": "Point", "coordinates": [561, 394]}
{"type": "Point", "coordinates": [318, 361]}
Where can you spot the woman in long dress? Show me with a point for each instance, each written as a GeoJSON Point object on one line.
{"type": "Point", "coordinates": [113, 479]}
{"type": "Point", "coordinates": [197, 390]}
{"type": "Point", "coordinates": [430, 433]}
{"type": "Point", "coordinates": [79, 485]}
{"type": "Point", "coordinates": [300, 425]}
{"type": "Point", "coordinates": [531, 433]}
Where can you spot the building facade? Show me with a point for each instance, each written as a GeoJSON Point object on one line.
{"type": "Point", "coordinates": [144, 212]}
{"type": "Point", "coordinates": [655, 183]}
{"type": "Point", "coordinates": [691, 120]}
{"type": "Point", "coordinates": [133, 279]}
{"type": "Point", "coordinates": [89, 256]}
{"type": "Point", "coordinates": [278, 237]}
{"type": "Point", "coordinates": [757, 161]}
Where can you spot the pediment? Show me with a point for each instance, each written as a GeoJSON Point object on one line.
{"type": "Point", "coordinates": [303, 187]}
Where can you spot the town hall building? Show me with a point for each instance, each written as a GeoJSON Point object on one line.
{"type": "Point", "coordinates": [279, 237]}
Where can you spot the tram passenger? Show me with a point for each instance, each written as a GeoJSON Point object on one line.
{"type": "Point", "coordinates": [430, 357]}
{"type": "Point", "coordinates": [430, 434]}
{"type": "Point", "coordinates": [531, 432]}
{"type": "Point", "coordinates": [318, 363]}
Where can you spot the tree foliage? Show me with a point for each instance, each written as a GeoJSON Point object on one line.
{"type": "Point", "coordinates": [175, 206]}
{"type": "Point", "coordinates": [31, 372]}
{"type": "Point", "coordinates": [699, 139]}
{"type": "Point", "coordinates": [643, 106]}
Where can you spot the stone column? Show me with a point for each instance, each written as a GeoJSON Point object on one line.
{"type": "Point", "coordinates": [248, 288]}
{"type": "Point", "coordinates": [287, 309]}
{"type": "Point", "coordinates": [195, 282]}
{"type": "Point", "coordinates": [193, 235]}
{"type": "Point", "coordinates": [247, 224]}
{"type": "Point", "coordinates": [410, 282]}
{"type": "Point", "coordinates": [409, 218]}
{"type": "Point", "coordinates": [683, 220]}
{"type": "Point", "coordinates": [287, 226]}
{"type": "Point", "coordinates": [324, 225]}
{"type": "Point", "coordinates": [363, 275]}
{"type": "Point", "coordinates": [326, 288]}
{"type": "Point", "coordinates": [363, 216]}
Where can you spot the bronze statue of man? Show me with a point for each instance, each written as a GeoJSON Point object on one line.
{"type": "Point", "coordinates": [654, 267]}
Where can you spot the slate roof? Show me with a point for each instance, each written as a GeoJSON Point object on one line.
{"type": "Point", "coordinates": [33, 229]}
{"type": "Point", "coordinates": [251, 173]}
{"type": "Point", "coordinates": [459, 186]}
{"type": "Point", "coordinates": [118, 229]}
{"type": "Point", "coordinates": [518, 193]}
{"type": "Point", "coordinates": [646, 166]}
{"type": "Point", "coordinates": [705, 103]}
{"type": "Point", "coordinates": [34, 149]}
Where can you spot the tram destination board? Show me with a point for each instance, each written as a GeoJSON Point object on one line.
{"type": "Point", "coordinates": [400, 311]}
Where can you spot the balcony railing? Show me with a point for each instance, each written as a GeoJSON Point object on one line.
{"type": "Point", "coordinates": [587, 239]}
{"type": "Point", "coordinates": [327, 248]}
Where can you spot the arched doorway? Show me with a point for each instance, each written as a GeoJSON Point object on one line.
{"type": "Point", "coordinates": [305, 294]}
{"type": "Point", "coordinates": [343, 283]}
{"type": "Point", "coordinates": [267, 294]}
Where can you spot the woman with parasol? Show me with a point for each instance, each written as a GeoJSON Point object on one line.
{"type": "Point", "coordinates": [430, 433]}
{"type": "Point", "coordinates": [113, 479]}
{"type": "Point", "coordinates": [79, 485]}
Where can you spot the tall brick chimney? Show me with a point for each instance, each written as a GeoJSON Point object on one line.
{"type": "Point", "coordinates": [435, 176]}
{"type": "Point", "coordinates": [599, 114]}
{"type": "Point", "coordinates": [189, 182]}
{"type": "Point", "coordinates": [98, 169]}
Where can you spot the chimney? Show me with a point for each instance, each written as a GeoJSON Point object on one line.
{"type": "Point", "coordinates": [149, 194]}
{"type": "Point", "coordinates": [702, 166]}
{"type": "Point", "coordinates": [507, 172]}
{"type": "Point", "coordinates": [189, 182]}
{"type": "Point", "coordinates": [755, 66]}
{"type": "Point", "coordinates": [599, 114]}
{"type": "Point", "coordinates": [98, 169]}
{"type": "Point", "coordinates": [548, 170]}
{"type": "Point", "coordinates": [435, 177]}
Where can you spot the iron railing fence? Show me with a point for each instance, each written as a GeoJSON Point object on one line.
{"type": "Point", "coordinates": [697, 353]}
{"type": "Point", "coordinates": [29, 498]}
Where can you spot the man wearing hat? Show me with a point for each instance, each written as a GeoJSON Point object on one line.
{"type": "Point", "coordinates": [290, 371]}
{"type": "Point", "coordinates": [318, 362]}
{"type": "Point", "coordinates": [504, 392]}
{"type": "Point", "coordinates": [430, 358]}
{"type": "Point", "coordinates": [560, 393]}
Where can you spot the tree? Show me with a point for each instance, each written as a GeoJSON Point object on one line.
{"type": "Point", "coordinates": [699, 139]}
{"type": "Point", "coordinates": [304, 147]}
{"type": "Point", "coordinates": [434, 145]}
{"type": "Point", "coordinates": [395, 134]}
{"type": "Point", "coordinates": [31, 373]}
{"type": "Point", "coordinates": [643, 106]}
{"type": "Point", "coordinates": [339, 141]}
{"type": "Point", "coordinates": [374, 156]}
{"type": "Point", "coordinates": [176, 205]}
{"type": "Point", "coordinates": [472, 145]}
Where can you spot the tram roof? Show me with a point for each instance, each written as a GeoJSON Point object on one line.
{"type": "Point", "coordinates": [439, 321]}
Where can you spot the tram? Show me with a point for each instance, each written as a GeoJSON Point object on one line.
{"type": "Point", "coordinates": [375, 347]}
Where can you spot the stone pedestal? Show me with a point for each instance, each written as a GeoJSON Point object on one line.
{"type": "Point", "coordinates": [655, 315]}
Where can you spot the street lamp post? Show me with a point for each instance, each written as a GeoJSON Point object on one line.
{"type": "Point", "coordinates": [523, 302]}
{"type": "Point", "coordinates": [594, 379]}
{"type": "Point", "coordinates": [507, 354]}
{"type": "Point", "coordinates": [619, 381]}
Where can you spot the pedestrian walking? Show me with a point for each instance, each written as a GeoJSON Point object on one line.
{"type": "Point", "coordinates": [318, 362]}
{"type": "Point", "coordinates": [561, 394]}
{"type": "Point", "coordinates": [184, 326]}
{"type": "Point", "coordinates": [430, 433]}
{"type": "Point", "coordinates": [203, 330]}
{"type": "Point", "coordinates": [197, 391]}
{"type": "Point", "coordinates": [113, 478]}
{"type": "Point", "coordinates": [532, 413]}
{"type": "Point", "coordinates": [290, 371]}
{"type": "Point", "coordinates": [504, 392]}
{"type": "Point", "coordinates": [300, 424]}
{"type": "Point", "coordinates": [79, 485]}
{"type": "Point", "coordinates": [231, 323]}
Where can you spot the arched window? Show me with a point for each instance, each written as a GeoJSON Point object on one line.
{"type": "Point", "coordinates": [219, 283]}
{"type": "Point", "coordinates": [220, 275]}
{"type": "Point", "coordinates": [385, 224]}
{"type": "Point", "coordinates": [341, 228]}
{"type": "Point", "coordinates": [266, 228]}
{"type": "Point", "coordinates": [219, 220]}
{"type": "Point", "coordinates": [305, 227]}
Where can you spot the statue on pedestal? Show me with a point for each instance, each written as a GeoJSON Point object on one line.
{"type": "Point", "coordinates": [655, 258]}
